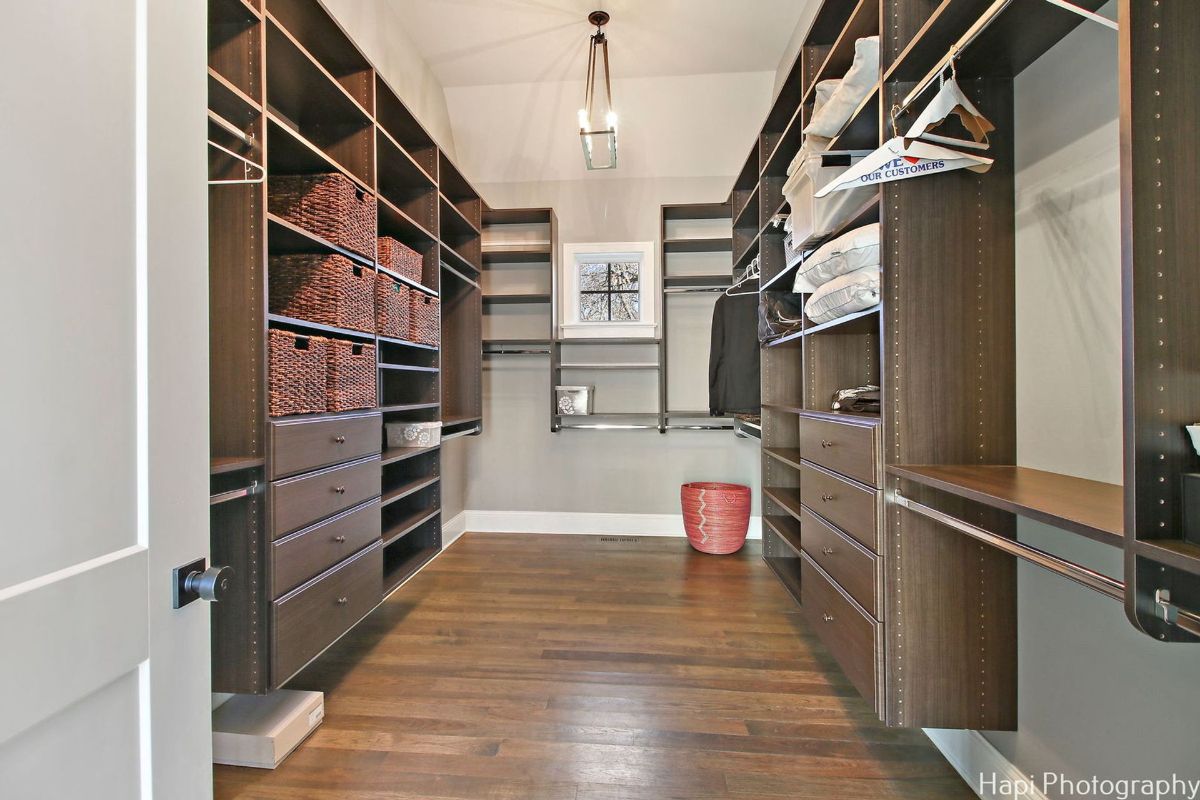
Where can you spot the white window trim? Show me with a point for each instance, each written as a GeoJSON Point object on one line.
{"type": "Point", "coordinates": [574, 328]}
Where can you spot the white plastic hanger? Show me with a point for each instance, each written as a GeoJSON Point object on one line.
{"type": "Point", "coordinates": [751, 274]}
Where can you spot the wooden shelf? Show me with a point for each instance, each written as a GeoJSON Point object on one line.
{"type": "Point", "coordinates": [284, 237]}
{"type": "Point", "coordinates": [517, 216]}
{"type": "Point", "coordinates": [787, 528]}
{"type": "Point", "coordinates": [304, 326]}
{"type": "Point", "coordinates": [522, 253]}
{"type": "Point", "coordinates": [407, 281]}
{"type": "Point", "coordinates": [601, 340]}
{"type": "Point", "coordinates": [747, 254]}
{"type": "Point", "coordinates": [222, 465]}
{"type": "Point", "coordinates": [1172, 552]}
{"type": "Point", "coordinates": [460, 420]}
{"type": "Point", "coordinates": [229, 101]}
{"type": "Point", "coordinates": [406, 568]}
{"type": "Point", "coordinates": [515, 299]}
{"type": "Point", "coordinates": [406, 343]}
{"type": "Point", "coordinates": [789, 456]}
{"type": "Point", "coordinates": [232, 12]}
{"type": "Point", "coordinates": [1090, 508]}
{"type": "Point", "coordinates": [394, 455]}
{"type": "Point", "coordinates": [408, 524]}
{"type": "Point", "coordinates": [405, 185]}
{"type": "Point", "coordinates": [398, 408]}
{"type": "Point", "coordinates": [789, 409]}
{"type": "Point", "coordinates": [613, 366]}
{"type": "Point", "coordinates": [704, 245]}
{"type": "Point", "coordinates": [851, 323]}
{"type": "Point", "coordinates": [408, 368]}
{"type": "Point", "coordinates": [290, 153]}
{"type": "Point", "coordinates": [693, 281]}
{"type": "Point", "coordinates": [396, 222]}
{"type": "Point", "coordinates": [453, 218]}
{"type": "Point", "coordinates": [787, 499]}
{"type": "Point", "coordinates": [747, 215]}
{"type": "Point", "coordinates": [399, 125]}
{"type": "Point", "coordinates": [407, 490]}
{"type": "Point", "coordinates": [690, 211]}
{"type": "Point", "coordinates": [515, 342]}
{"type": "Point", "coordinates": [456, 260]}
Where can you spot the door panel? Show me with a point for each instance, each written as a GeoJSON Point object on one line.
{"type": "Point", "coordinates": [104, 415]}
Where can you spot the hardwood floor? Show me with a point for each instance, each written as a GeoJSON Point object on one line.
{"type": "Point", "coordinates": [532, 667]}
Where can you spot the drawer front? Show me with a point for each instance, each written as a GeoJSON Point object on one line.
{"type": "Point", "coordinates": [309, 619]}
{"type": "Point", "coordinates": [852, 638]}
{"type": "Point", "coordinates": [844, 447]}
{"type": "Point", "coordinates": [849, 506]}
{"type": "Point", "coordinates": [302, 445]}
{"type": "Point", "coordinates": [297, 502]}
{"type": "Point", "coordinates": [846, 561]}
{"type": "Point", "coordinates": [307, 553]}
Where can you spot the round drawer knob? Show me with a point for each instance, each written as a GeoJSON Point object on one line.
{"type": "Point", "coordinates": [827, 551]}
{"type": "Point", "coordinates": [340, 489]}
{"type": "Point", "coordinates": [825, 498]}
{"type": "Point", "coordinates": [826, 443]}
{"type": "Point", "coordinates": [339, 440]}
{"type": "Point", "coordinates": [340, 539]}
{"type": "Point", "coordinates": [341, 601]}
{"type": "Point", "coordinates": [827, 617]}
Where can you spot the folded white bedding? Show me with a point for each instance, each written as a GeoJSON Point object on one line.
{"type": "Point", "coordinates": [851, 251]}
{"type": "Point", "coordinates": [853, 89]}
{"type": "Point", "coordinates": [846, 294]}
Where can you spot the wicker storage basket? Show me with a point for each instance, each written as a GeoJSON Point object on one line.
{"type": "Point", "coordinates": [393, 307]}
{"type": "Point", "coordinates": [425, 326]}
{"type": "Point", "coordinates": [329, 205]}
{"type": "Point", "coordinates": [401, 258]}
{"type": "Point", "coordinates": [329, 289]}
{"type": "Point", "coordinates": [351, 379]}
{"type": "Point", "coordinates": [296, 373]}
{"type": "Point", "coordinates": [716, 516]}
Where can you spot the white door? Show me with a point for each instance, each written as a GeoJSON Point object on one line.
{"type": "Point", "coordinates": [104, 690]}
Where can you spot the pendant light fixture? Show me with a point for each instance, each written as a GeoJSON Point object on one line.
{"type": "Point", "coordinates": [598, 142]}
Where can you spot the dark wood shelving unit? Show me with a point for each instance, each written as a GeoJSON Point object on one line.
{"type": "Point", "coordinates": [309, 102]}
{"type": "Point", "coordinates": [1089, 508]}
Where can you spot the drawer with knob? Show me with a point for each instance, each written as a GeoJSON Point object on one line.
{"type": "Point", "coordinates": [852, 637]}
{"type": "Point", "coordinates": [849, 447]}
{"type": "Point", "coordinates": [312, 617]}
{"type": "Point", "coordinates": [850, 506]}
{"type": "Point", "coordinates": [309, 552]}
{"type": "Point", "coordinates": [846, 561]}
{"type": "Point", "coordinates": [307, 444]}
{"type": "Point", "coordinates": [298, 502]}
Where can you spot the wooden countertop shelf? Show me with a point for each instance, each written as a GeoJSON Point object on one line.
{"type": "Point", "coordinates": [1090, 508]}
{"type": "Point", "coordinates": [221, 465]}
{"type": "Point", "coordinates": [786, 498]}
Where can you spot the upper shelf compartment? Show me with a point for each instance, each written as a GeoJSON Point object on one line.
{"type": "Point", "coordinates": [309, 100]}
{"type": "Point", "coordinates": [317, 32]}
{"type": "Point", "coordinates": [404, 130]}
{"type": "Point", "coordinates": [460, 193]}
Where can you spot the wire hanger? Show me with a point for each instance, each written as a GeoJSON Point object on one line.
{"type": "Point", "coordinates": [247, 167]}
{"type": "Point", "coordinates": [751, 274]}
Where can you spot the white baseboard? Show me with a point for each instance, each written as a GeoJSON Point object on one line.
{"type": "Point", "coordinates": [989, 774]}
{"type": "Point", "coordinates": [587, 523]}
{"type": "Point", "coordinates": [454, 528]}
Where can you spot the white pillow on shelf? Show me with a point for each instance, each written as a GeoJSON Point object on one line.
{"type": "Point", "coordinates": [851, 251]}
{"type": "Point", "coordinates": [846, 294]}
{"type": "Point", "coordinates": [854, 88]}
{"type": "Point", "coordinates": [815, 144]}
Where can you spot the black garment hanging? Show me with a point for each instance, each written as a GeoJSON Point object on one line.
{"type": "Point", "coordinates": [733, 368]}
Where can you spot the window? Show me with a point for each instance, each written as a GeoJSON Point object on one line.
{"type": "Point", "coordinates": [608, 291]}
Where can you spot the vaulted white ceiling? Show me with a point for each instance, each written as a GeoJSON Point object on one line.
{"type": "Point", "coordinates": [486, 42]}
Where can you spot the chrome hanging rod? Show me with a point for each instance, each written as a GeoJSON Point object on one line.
{"type": "Point", "coordinates": [231, 129]}
{"type": "Point", "coordinates": [516, 352]}
{"type": "Point", "coordinates": [696, 290]}
{"type": "Point", "coordinates": [1090, 578]}
{"type": "Point", "coordinates": [985, 20]}
{"type": "Point", "coordinates": [235, 494]}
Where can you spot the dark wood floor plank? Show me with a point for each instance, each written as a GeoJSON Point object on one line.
{"type": "Point", "coordinates": [521, 667]}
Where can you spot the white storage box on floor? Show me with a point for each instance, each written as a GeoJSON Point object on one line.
{"type": "Point", "coordinates": [813, 216]}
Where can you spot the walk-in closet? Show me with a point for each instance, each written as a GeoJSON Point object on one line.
{"type": "Point", "coordinates": [638, 400]}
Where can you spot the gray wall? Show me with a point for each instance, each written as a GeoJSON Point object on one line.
{"type": "Point", "coordinates": [1096, 697]}
{"type": "Point", "coordinates": [518, 465]}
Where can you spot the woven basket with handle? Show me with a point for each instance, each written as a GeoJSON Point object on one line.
{"type": "Point", "coordinates": [393, 307]}
{"type": "Point", "coordinates": [330, 205]}
{"type": "Point", "coordinates": [425, 326]}
{"type": "Point", "coordinates": [296, 373]}
{"type": "Point", "coordinates": [401, 258]}
{"type": "Point", "coordinates": [351, 378]}
{"type": "Point", "coordinates": [329, 289]}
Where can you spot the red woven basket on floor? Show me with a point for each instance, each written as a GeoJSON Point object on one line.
{"type": "Point", "coordinates": [716, 516]}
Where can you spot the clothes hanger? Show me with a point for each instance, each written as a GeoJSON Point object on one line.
{"type": "Point", "coordinates": [751, 274]}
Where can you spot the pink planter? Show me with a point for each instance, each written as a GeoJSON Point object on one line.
{"type": "Point", "coordinates": [716, 516]}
